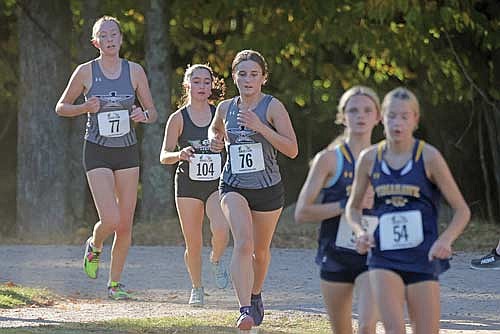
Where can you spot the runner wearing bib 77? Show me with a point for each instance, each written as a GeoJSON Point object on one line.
{"type": "Point", "coordinates": [254, 126]}
{"type": "Point", "coordinates": [343, 271]}
{"type": "Point", "coordinates": [110, 85]}
{"type": "Point", "coordinates": [197, 176]}
{"type": "Point", "coordinates": [406, 252]}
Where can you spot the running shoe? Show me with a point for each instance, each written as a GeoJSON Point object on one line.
{"type": "Point", "coordinates": [117, 291]}
{"type": "Point", "coordinates": [490, 261]}
{"type": "Point", "coordinates": [220, 274]}
{"type": "Point", "coordinates": [91, 260]}
{"type": "Point", "coordinates": [196, 298]}
{"type": "Point", "coordinates": [245, 321]}
{"type": "Point", "coordinates": [257, 309]}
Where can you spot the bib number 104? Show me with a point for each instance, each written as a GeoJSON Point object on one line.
{"type": "Point", "coordinates": [204, 169]}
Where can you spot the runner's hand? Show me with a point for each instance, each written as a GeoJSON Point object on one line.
{"type": "Point", "coordinates": [250, 120]}
{"type": "Point", "coordinates": [216, 144]}
{"type": "Point", "coordinates": [92, 105]}
{"type": "Point", "coordinates": [138, 115]}
{"type": "Point", "coordinates": [186, 153]}
{"type": "Point", "coordinates": [441, 249]}
{"type": "Point", "coordinates": [364, 242]}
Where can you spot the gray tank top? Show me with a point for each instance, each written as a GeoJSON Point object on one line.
{"type": "Point", "coordinates": [265, 178]}
{"type": "Point", "coordinates": [193, 135]}
{"type": "Point", "coordinates": [114, 95]}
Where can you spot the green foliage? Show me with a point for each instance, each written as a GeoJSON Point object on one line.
{"type": "Point", "coordinates": [316, 50]}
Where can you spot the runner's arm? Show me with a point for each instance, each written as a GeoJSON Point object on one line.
{"type": "Point", "coordinates": [306, 210]}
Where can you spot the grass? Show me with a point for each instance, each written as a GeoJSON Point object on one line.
{"type": "Point", "coordinates": [219, 322]}
{"type": "Point", "coordinates": [12, 296]}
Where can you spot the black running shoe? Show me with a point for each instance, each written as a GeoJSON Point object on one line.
{"type": "Point", "coordinates": [490, 261]}
{"type": "Point", "coordinates": [257, 310]}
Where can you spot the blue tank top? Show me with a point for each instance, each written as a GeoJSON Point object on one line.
{"type": "Point", "coordinates": [195, 136]}
{"type": "Point", "coordinates": [114, 95]}
{"type": "Point", "coordinates": [265, 178]}
{"type": "Point", "coordinates": [403, 190]}
{"type": "Point", "coordinates": [329, 256]}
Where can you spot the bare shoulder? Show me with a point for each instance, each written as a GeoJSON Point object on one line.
{"type": "Point", "coordinates": [136, 71]}
{"type": "Point", "coordinates": [368, 154]}
{"type": "Point", "coordinates": [223, 107]}
{"type": "Point", "coordinates": [176, 116]}
{"type": "Point", "coordinates": [430, 153]}
{"type": "Point", "coordinates": [325, 158]}
{"type": "Point", "coordinates": [276, 105]}
{"type": "Point", "coordinates": [135, 66]}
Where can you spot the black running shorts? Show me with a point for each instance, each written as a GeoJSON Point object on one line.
{"type": "Point", "coordinates": [114, 158]}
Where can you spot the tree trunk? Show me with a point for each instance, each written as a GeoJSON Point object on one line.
{"type": "Point", "coordinates": [81, 210]}
{"type": "Point", "coordinates": [484, 168]}
{"type": "Point", "coordinates": [492, 121]}
{"type": "Point", "coordinates": [44, 68]}
{"type": "Point", "coordinates": [157, 202]}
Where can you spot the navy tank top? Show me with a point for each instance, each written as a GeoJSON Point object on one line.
{"type": "Point", "coordinates": [402, 198]}
{"type": "Point", "coordinates": [111, 125]}
{"type": "Point", "coordinates": [338, 188]}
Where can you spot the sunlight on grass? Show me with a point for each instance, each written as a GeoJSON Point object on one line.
{"type": "Point", "coordinates": [12, 296]}
{"type": "Point", "coordinates": [210, 322]}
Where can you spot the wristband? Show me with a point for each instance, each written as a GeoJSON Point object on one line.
{"type": "Point", "coordinates": [146, 114]}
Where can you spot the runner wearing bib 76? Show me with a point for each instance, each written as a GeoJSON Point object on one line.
{"type": "Point", "coordinates": [406, 252]}
{"type": "Point", "coordinates": [254, 126]}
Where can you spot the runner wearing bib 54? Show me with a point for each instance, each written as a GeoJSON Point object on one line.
{"type": "Point", "coordinates": [406, 252]}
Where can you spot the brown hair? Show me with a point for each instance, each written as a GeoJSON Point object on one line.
{"type": "Point", "coordinates": [97, 24]}
{"type": "Point", "coordinates": [250, 55]}
{"type": "Point", "coordinates": [218, 85]}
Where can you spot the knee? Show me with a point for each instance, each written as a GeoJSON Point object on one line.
{"type": "Point", "coordinates": [111, 220]}
{"type": "Point", "coordinates": [194, 246]}
{"type": "Point", "coordinates": [220, 231]}
{"type": "Point", "coordinates": [262, 255]}
{"type": "Point", "coordinates": [124, 229]}
{"type": "Point", "coordinates": [244, 247]}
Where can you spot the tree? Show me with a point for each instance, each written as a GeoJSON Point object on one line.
{"type": "Point", "coordinates": [42, 173]}
{"type": "Point", "coordinates": [157, 196]}
{"type": "Point", "coordinates": [81, 208]}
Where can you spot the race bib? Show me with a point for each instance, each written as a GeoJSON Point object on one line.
{"type": "Point", "coordinates": [205, 167]}
{"type": "Point", "coordinates": [113, 123]}
{"type": "Point", "coordinates": [346, 238]}
{"type": "Point", "coordinates": [401, 230]}
{"type": "Point", "coordinates": [246, 158]}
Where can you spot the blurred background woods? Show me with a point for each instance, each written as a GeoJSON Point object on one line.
{"type": "Point", "coordinates": [447, 51]}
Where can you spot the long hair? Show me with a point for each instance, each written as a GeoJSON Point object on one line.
{"type": "Point", "coordinates": [218, 85]}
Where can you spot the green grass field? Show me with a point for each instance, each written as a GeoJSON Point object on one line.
{"type": "Point", "coordinates": [12, 296]}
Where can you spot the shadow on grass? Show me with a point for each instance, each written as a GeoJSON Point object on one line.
{"type": "Point", "coordinates": [104, 329]}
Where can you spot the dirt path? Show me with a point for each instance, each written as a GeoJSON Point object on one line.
{"type": "Point", "coordinates": [470, 299]}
